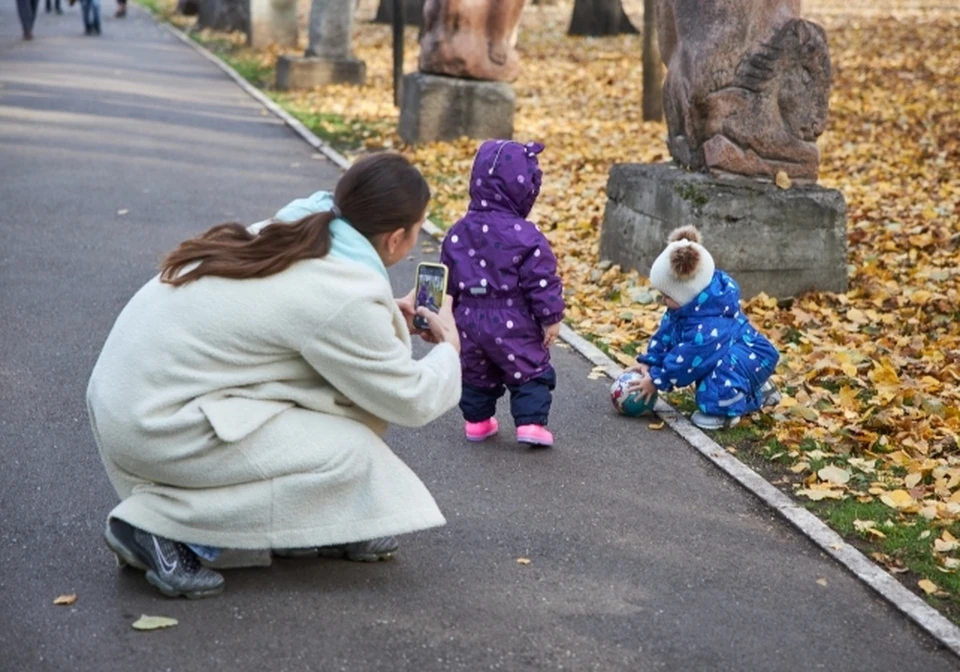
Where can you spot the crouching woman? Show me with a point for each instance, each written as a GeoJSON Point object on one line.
{"type": "Point", "coordinates": [240, 398]}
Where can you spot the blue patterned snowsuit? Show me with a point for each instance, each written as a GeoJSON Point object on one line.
{"type": "Point", "coordinates": [503, 279]}
{"type": "Point", "coordinates": [710, 342]}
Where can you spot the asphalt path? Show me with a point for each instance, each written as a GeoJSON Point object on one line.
{"type": "Point", "coordinates": [642, 555]}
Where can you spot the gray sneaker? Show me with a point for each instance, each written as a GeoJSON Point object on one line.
{"type": "Point", "coordinates": [712, 422]}
{"type": "Point", "coordinates": [373, 550]}
{"type": "Point", "coordinates": [770, 395]}
{"type": "Point", "coordinates": [171, 567]}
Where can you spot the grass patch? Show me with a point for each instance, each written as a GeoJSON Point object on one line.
{"type": "Point", "coordinates": [907, 548]}
{"type": "Point", "coordinates": [156, 7]}
{"type": "Point", "coordinates": [341, 133]}
{"type": "Point", "coordinates": [683, 401]}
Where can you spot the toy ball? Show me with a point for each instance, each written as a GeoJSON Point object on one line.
{"type": "Point", "coordinates": [630, 403]}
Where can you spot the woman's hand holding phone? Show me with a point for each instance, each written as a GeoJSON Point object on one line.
{"type": "Point", "coordinates": [442, 327]}
{"type": "Point", "coordinates": [409, 310]}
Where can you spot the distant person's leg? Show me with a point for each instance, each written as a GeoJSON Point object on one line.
{"type": "Point", "coordinates": [27, 9]}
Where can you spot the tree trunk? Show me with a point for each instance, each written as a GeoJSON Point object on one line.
{"type": "Point", "coordinates": [412, 12]}
{"type": "Point", "coordinates": [227, 15]}
{"type": "Point", "coordinates": [652, 65]}
{"type": "Point", "coordinates": [188, 7]}
{"type": "Point", "coordinates": [600, 17]}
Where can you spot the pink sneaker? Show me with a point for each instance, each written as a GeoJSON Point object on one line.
{"type": "Point", "coordinates": [478, 431]}
{"type": "Point", "coordinates": [534, 435]}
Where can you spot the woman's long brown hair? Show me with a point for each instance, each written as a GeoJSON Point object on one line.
{"type": "Point", "coordinates": [378, 194]}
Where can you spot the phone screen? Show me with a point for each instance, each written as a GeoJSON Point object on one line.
{"type": "Point", "coordinates": [431, 285]}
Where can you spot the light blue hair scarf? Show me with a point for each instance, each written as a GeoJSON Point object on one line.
{"type": "Point", "coordinates": [346, 242]}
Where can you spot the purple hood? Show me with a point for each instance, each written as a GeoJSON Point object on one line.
{"type": "Point", "coordinates": [506, 177]}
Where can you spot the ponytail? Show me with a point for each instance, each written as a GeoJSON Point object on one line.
{"type": "Point", "coordinates": [230, 251]}
{"type": "Point", "coordinates": [379, 194]}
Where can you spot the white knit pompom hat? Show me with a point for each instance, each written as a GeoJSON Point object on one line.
{"type": "Point", "coordinates": [684, 268]}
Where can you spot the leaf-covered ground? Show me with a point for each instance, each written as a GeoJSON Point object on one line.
{"type": "Point", "coordinates": [871, 411]}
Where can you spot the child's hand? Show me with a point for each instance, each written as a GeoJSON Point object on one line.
{"type": "Point", "coordinates": [642, 369]}
{"type": "Point", "coordinates": [550, 334]}
{"type": "Point", "coordinates": [645, 386]}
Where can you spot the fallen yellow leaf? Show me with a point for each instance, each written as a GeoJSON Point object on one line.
{"type": "Point", "coordinates": [656, 425]}
{"type": "Point", "coordinates": [942, 546]}
{"type": "Point", "coordinates": [898, 499]}
{"type": "Point", "coordinates": [817, 495]}
{"type": "Point", "coordinates": [782, 180]}
{"type": "Point", "coordinates": [834, 474]}
{"type": "Point", "coordinates": [65, 599]}
{"type": "Point", "coordinates": [927, 586]}
{"type": "Point", "coordinates": [153, 622]}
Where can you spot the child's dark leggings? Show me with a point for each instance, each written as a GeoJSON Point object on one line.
{"type": "Point", "coordinates": [27, 9]}
{"type": "Point", "coordinates": [91, 14]}
{"type": "Point", "coordinates": [529, 402]}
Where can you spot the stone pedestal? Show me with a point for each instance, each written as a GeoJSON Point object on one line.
{"type": "Point", "coordinates": [780, 241]}
{"type": "Point", "coordinates": [306, 72]}
{"type": "Point", "coordinates": [272, 22]}
{"type": "Point", "coordinates": [436, 107]}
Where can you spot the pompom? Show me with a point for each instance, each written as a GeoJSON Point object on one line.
{"type": "Point", "coordinates": [688, 232]}
{"type": "Point", "coordinates": [684, 261]}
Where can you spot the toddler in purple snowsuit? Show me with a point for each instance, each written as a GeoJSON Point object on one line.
{"type": "Point", "coordinates": [508, 298]}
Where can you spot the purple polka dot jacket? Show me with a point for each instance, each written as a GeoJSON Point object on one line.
{"type": "Point", "coordinates": [503, 274]}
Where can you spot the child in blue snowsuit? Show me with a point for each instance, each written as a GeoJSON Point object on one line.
{"type": "Point", "coordinates": [508, 298]}
{"type": "Point", "coordinates": [705, 339]}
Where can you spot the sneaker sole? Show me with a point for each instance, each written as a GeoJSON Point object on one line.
{"type": "Point", "coordinates": [168, 591]}
{"type": "Point", "coordinates": [126, 557]}
{"type": "Point", "coordinates": [484, 437]}
{"type": "Point", "coordinates": [337, 554]}
{"type": "Point", "coordinates": [295, 553]}
{"type": "Point", "coordinates": [731, 422]}
{"type": "Point", "coordinates": [536, 443]}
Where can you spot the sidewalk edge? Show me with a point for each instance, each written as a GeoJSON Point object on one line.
{"type": "Point", "coordinates": [912, 606]}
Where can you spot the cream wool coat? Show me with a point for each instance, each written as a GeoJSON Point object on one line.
{"type": "Point", "coordinates": [249, 414]}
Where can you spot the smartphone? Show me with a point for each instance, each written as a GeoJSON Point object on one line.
{"type": "Point", "coordinates": [430, 286]}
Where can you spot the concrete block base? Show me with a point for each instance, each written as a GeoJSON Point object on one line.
{"type": "Point", "coordinates": [779, 241]}
{"type": "Point", "coordinates": [435, 108]}
{"type": "Point", "coordinates": [306, 72]}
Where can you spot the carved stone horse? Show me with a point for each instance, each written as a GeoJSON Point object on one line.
{"type": "Point", "coordinates": [471, 38]}
{"type": "Point", "coordinates": [747, 86]}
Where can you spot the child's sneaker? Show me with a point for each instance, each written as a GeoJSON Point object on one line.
{"type": "Point", "coordinates": [534, 435]}
{"type": "Point", "coordinates": [478, 431]}
{"type": "Point", "coordinates": [769, 394]}
{"type": "Point", "coordinates": [711, 422]}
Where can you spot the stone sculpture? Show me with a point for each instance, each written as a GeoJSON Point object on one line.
{"type": "Point", "coordinates": [472, 39]}
{"type": "Point", "coordinates": [329, 57]}
{"type": "Point", "coordinates": [747, 86]}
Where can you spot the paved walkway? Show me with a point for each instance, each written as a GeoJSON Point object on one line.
{"type": "Point", "coordinates": [644, 557]}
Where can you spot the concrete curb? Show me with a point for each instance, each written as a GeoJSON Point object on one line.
{"type": "Point", "coordinates": [912, 606]}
